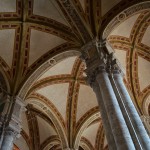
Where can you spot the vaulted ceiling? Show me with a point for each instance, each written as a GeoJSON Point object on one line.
{"type": "Point", "coordinates": [40, 45]}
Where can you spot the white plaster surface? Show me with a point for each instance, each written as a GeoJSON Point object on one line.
{"type": "Point", "coordinates": [49, 9]}
{"type": "Point", "coordinates": [42, 42]}
{"type": "Point", "coordinates": [143, 73]}
{"type": "Point", "coordinates": [91, 132]}
{"type": "Point", "coordinates": [7, 5]}
{"type": "Point", "coordinates": [125, 28]}
{"type": "Point", "coordinates": [7, 45]}
{"type": "Point", "coordinates": [86, 100]}
{"type": "Point", "coordinates": [45, 129]}
{"type": "Point", "coordinates": [21, 144]}
{"type": "Point", "coordinates": [146, 39]}
{"type": "Point", "coordinates": [57, 94]}
{"type": "Point", "coordinates": [25, 123]}
{"type": "Point", "coordinates": [63, 67]}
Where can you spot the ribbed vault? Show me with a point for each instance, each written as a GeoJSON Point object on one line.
{"type": "Point", "coordinates": [40, 45]}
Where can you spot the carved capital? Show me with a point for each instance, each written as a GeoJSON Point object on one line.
{"type": "Point", "coordinates": [98, 58]}
{"type": "Point", "coordinates": [11, 132]}
{"type": "Point", "coordinates": [94, 55]}
{"type": "Point", "coordinates": [14, 123]}
{"type": "Point", "coordinates": [91, 75]}
{"type": "Point", "coordinates": [85, 50]}
{"type": "Point", "coordinates": [93, 49]}
{"type": "Point", "coordinates": [112, 65]}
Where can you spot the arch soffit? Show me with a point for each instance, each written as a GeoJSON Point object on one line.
{"type": "Point", "coordinates": [48, 111]}
{"type": "Point", "coordinates": [81, 129]}
{"type": "Point", "coordinates": [43, 68]}
{"type": "Point", "coordinates": [124, 15]}
{"type": "Point", "coordinates": [50, 140]}
{"type": "Point", "coordinates": [86, 143]}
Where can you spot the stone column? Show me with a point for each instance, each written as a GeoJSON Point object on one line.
{"type": "Point", "coordinates": [135, 125]}
{"type": "Point", "coordinates": [106, 124]}
{"type": "Point", "coordinates": [97, 57]}
{"type": "Point", "coordinates": [4, 116]}
{"type": "Point", "coordinates": [13, 125]}
{"type": "Point", "coordinates": [118, 125]}
{"type": "Point", "coordinates": [9, 137]}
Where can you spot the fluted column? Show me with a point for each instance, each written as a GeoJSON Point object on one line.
{"type": "Point", "coordinates": [99, 62]}
{"type": "Point", "coordinates": [118, 125]}
{"type": "Point", "coordinates": [135, 125]}
{"type": "Point", "coordinates": [106, 124]}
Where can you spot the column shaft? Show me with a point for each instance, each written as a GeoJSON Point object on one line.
{"type": "Point", "coordinates": [12, 127]}
{"type": "Point", "coordinates": [8, 139]}
{"type": "Point", "coordinates": [136, 126]}
{"type": "Point", "coordinates": [106, 124]}
{"type": "Point", "coordinates": [119, 128]}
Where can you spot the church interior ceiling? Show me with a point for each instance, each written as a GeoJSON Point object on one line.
{"type": "Point", "coordinates": [40, 48]}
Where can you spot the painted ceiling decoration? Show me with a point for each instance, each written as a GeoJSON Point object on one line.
{"type": "Point", "coordinates": [40, 48]}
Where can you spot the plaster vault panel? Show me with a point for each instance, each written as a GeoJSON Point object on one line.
{"type": "Point", "coordinates": [91, 132]}
{"type": "Point", "coordinates": [49, 9]}
{"type": "Point", "coordinates": [21, 144]}
{"type": "Point", "coordinates": [42, 42]}
{"type": "Point", "coordinates": [45, 130]}
{"type": "Point", "coordinates": [7, 5]}
{"type": "Point", "coordinates": [57, 94]}
{"type": "Point", "coordinates": [107, 5]}
{"type": "Point", "coordinates": [85, 101]}
{"type": "Point", "coordinates": [105, 141]}
{"type": "Point", "coordinates": [143, 72]}
{"type": "Point", "coordinates": [63, 67]}
{"type": "Point", "coordinates": [7, 45]}
{"type": "Point", "coordinates": [25, 123]}
{"type": "Point", "coordinates": [125, 28]}
{"type": "Point", "coordinates": [146, 39]}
